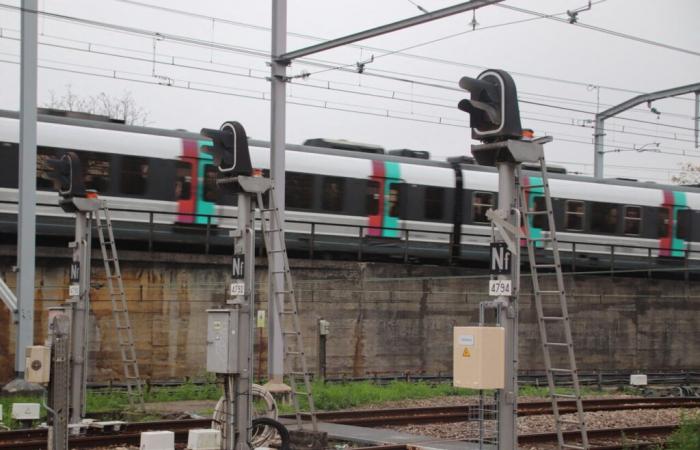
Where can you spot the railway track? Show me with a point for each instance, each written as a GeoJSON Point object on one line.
{"type": "Point", "coordinates": [464, 413]}
{"type": "Point", "coordinates": [601, 439]}
{"type": "Point", "coordinates": [130, 433]}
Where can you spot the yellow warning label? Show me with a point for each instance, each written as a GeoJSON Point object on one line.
{"type": "Point", "coordinates": [466, 353]}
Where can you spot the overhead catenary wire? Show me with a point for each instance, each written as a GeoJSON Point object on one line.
{"type": "Point", "coordinates": [259, 53]}
{"type": "Point", "coordinates": [377, 49]}
{"type": "Point", "coordinates": [327, 104]}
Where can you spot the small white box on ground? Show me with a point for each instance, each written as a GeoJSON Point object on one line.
{"type": "Point", "coordinates": [204, 439]}
{"type": "Point", "coordinates": [638, 379]}
{"type": "Point", "coordinates": [25, 411]}
{"type": "Point", "coordinates": [157, 440]}
{"type": "Point", "coordinates": [478, 358]}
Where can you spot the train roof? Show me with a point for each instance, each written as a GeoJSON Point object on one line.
{"type": "Point", "coordinates": [180, 134]}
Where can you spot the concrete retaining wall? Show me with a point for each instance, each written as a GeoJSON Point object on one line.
{"type": "Point", "coordinates": [385, 318]}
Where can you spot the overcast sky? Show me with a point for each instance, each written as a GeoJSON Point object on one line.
{"type": "Point", "coordinates": [571, 70]}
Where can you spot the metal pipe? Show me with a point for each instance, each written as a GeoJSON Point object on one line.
{"type": "Point", "coordinates": [384, 29]}
{"type": "Point", "coordinates": [278, 92]}
{"type": "Point", "coordinates": [508, 319]}
{"type": "Point", "coordinates": [26, 220]}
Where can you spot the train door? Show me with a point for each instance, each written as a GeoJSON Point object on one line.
{"type": "Point", "coordinates": [195, 184]}
{"type": "Point", "coordinates": [535, 202]}
{"type": "Point", "coordinates": [672, 231]}
{"type": "Point", "coordinates": [383, 199]}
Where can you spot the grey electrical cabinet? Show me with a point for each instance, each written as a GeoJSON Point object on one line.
{"type": "Point", "coordinates": [222, 340]}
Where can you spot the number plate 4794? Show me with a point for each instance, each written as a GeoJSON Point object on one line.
{"type": "Point", "coordinates": [498, 288]}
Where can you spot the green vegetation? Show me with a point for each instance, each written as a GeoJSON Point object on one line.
{"type": "Point", "coordinates": [328, 396]}
{"type": "Point", "coordinates": [332, 396]}
{"type": "Point", "coordinates": [687, 437]}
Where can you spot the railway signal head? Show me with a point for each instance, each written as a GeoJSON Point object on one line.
{"type": "Point", "coordinates": [229, 149]}
{"type": "Point", "coordinates": [67, 175]}
{"type": "Point", "coordinates": [492, 106]}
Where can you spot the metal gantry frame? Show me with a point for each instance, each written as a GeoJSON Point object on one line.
{"type": "Point", "coordinates": [599, 131]}
{"type": "Point", "coordinates": [280, 59]}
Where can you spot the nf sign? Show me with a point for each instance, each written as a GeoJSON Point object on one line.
{"type": "Point", "coordinates": [500, 258]}
{"type": "Point", "coordinates": [238, 267]}
{"type": "Point", "coordinates": [74, 272]}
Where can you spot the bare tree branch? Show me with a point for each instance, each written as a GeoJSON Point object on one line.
{"type": "Point", "coordinates": [121, 108]}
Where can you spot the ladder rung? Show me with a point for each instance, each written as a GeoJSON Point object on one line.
{"type": "Point", "coordinates": [290, 333]}
{"type": "Point", "coordinates": [552, 318]}
{"type": "Point", "coordinates": [278, 271]}
{"type": "Point", "coordinates": [579, 447]}
{"type": "Point", "coordinates": [548, 292]}
{"type": "Point", "coordinates": [559, 370]}
{"type": "Point", "coordinates": [556, 344]}
{"type": "Point", "coordinates": [274, 230]}
{"type": "Point", "coordinates": [295, 353]}
{"type": "Point", "coordinates": [569, 421]}
{"type": "Point", "coordinates": [572, 396]}
{"type": "Point", "coordinates": [545, 266]}
{"type": "Point", "coordinates": [288, 312]}
{"type": "Point", "coordinates": [276, 251]}
{"type": "Point", "coordinates": [533, 186]}
{"type": "Point", "coordinates": [541, 239]}
{"type": "Point", "coordinates": [535, 213]}
{"type": "Point", "coordinates": [284, 292]}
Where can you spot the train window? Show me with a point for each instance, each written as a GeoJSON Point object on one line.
{"type": "Point", "coordinates": [183, 181]}
{"type": "Point", "coordinates": [134, 175]}
{"type": "Point", "coordinates": [333, 190]}
{"type": "Point", "coordinates": [574, 215]}
{"type": "Point", "coordinates": [372, 198]}
{"type": "Point", "coordinates": [299, 190]}
{"type": "Point", "coordinates": [96, 171]}
{"type": "Point", "coordinates": [393, 200]}
{"type": "Point", "coordinates": [210, 192]}
{"type": "Point", "coordinates": [603, 217]}
{"type": "Point", "coordinates": [662, 224]}
{"type": "Point", "coordinates": [481, 202]}
{"type": "Point", "coordinates": [633, 220]}
{"type": "Point", "coordinates": [43, 182]}
{"type": "Point", "coordinates": [434, 202]}
{"type": "Point", "coordinates": [684, 224]}
{"type": "Point", "coordinates": [540, 221]}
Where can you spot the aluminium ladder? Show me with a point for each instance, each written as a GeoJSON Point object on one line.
{"type": "Point", "coordinates": [558, 323]}
{"type": "Point", "coordinates": [296, 367]}
{"type": "Point", "coordinates": [120, 311]}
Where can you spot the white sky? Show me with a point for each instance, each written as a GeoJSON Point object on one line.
{"type": "Point", "coordinates": [531, 51]}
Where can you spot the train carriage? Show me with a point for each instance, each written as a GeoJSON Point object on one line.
{"type": "Point", "coordinates": [161, 185]}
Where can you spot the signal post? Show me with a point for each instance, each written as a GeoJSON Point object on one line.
{"type": "Point", "coordinates": [67, 177]}
{"type": "Point", "coordinates": [495, 121]}
{"type": "Point", "coordinates": [230, 328]}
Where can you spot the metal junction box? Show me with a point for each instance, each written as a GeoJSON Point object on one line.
{"type": "Point", "coordinates": [479, 357]}
{"type": "Point", "coordinates": [222, 340]}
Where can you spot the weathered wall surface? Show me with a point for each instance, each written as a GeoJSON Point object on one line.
{"type": "Point", "coordinates": [385, 318]}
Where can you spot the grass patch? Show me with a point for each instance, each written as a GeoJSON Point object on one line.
{"type": "Point", "coordinates": [687, 437]}
{"type": "Point", "coordinates": [334, 396]}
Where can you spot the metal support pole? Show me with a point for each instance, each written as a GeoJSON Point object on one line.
{"type": "Point", "coordinates": [275, 354]}
{"type": "Point", "coordinates": [239, 385]}
{"type": "Point", "coordinates": [59, 388]}
{"type": "Point", "coordinates": [697, 119]}
{"type": "Point", "coordinates": [508, 317]}
{"type": "Point", "coordinates": [26, 221]}
{"type": "Point", "coordinates": [80, 303]}
{"type": "Point", "coordinates": [598, 140]}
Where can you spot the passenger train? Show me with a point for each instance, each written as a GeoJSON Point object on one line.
{"type": "Point", "coordinates": [341, 197]}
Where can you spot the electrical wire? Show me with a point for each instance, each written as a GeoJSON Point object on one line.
{"type": "Point", "coordinates": [601, 30]}
{"type": "Point", "coordinates": [375, 49]}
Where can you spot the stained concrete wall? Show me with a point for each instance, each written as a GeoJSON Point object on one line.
{"type": "Point", "coordinates": [385, 318]}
